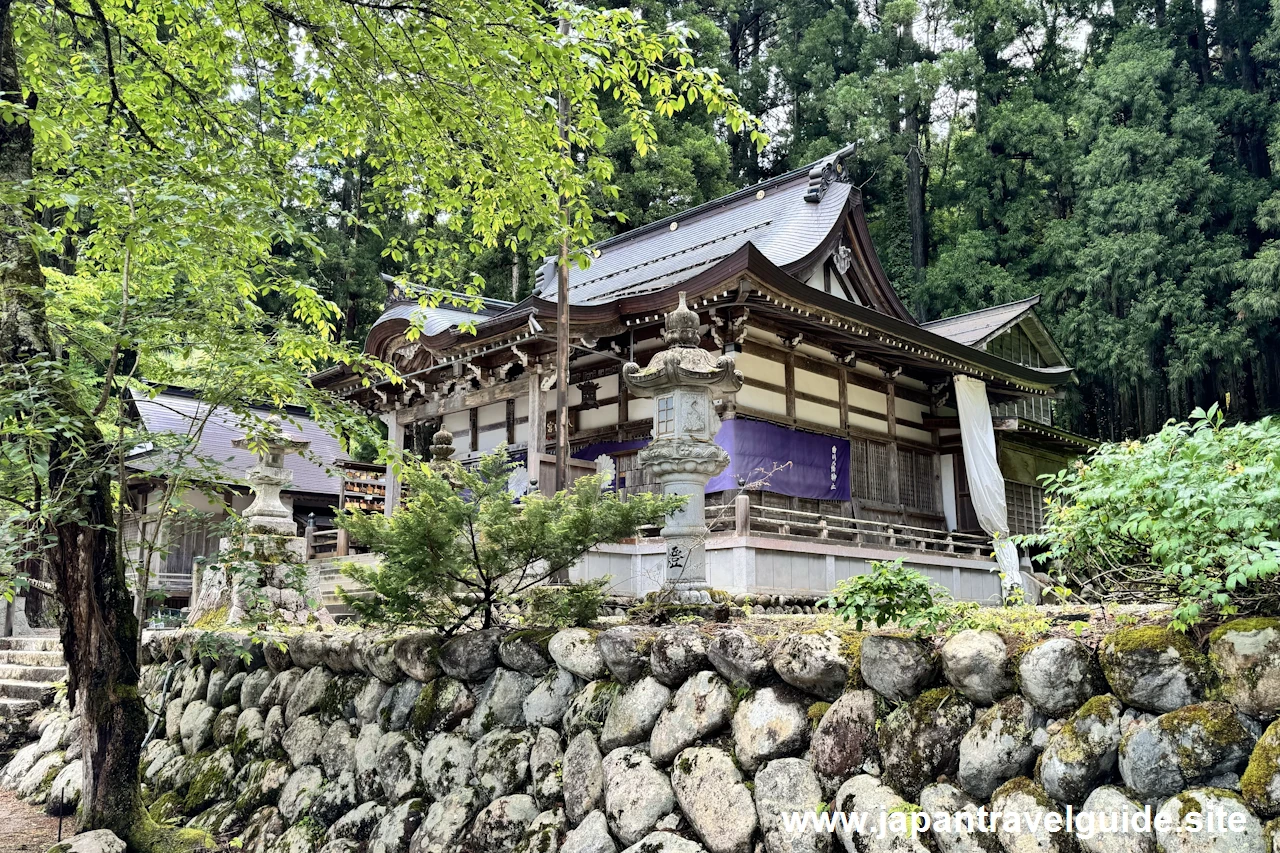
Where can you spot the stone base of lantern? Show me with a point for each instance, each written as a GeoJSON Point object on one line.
{"type": "Point", "coordinates": [268, 546]}
{"type": "Point", "coordinates": [272, 526]}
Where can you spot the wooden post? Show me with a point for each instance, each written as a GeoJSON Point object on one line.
{"type": "Point", "coordinates": [742, 515]}
{"type": "Point", "coordinates": [395, 434]}
{"type": "Point", "coordinates": [537, 418]}
{"type": "Point", "coordinates": [891, 421]}
{"type": "Point", "coordinates": [789, 371]}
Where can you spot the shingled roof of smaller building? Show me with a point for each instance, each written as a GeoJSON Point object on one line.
{"type": "Point", "coordinates": [978, 327]}
{"type": "Point", "coordinates": [175, 411]}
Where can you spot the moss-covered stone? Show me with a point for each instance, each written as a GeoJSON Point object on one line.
{"type": "Point", "coordinates": [338, 700]}
{"type": "Point", "coordinates": [212, 782]}
{"type": "Point", "coordinates": [1154, 668]}
{"type": "Point", "coordinates": [1260, 783]}
{"type": "Point", "coordinates": [1184, 748]}
{"type": "Point", "coordinates": [1246, 655]}
{"type": "Point", "coordinates": [921, 740]}
{"type": "Point", "coordinates": [1083, 751]}
{"type": "Point", "coordinates": [441, 705]}
{"type": "Point", "coordinates": [815, 712]}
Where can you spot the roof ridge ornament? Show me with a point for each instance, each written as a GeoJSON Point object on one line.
{"type": "Point", "coordinates": [827, 171]}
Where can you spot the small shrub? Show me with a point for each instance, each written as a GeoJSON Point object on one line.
{"type": "Point", "coordinates": [890, 593]}
{"type": "Point", "coordinates": [1189, 516]}
{"type": "Point", "coordinates": [574, 605]}
{"type": "Point", "coordinates": [460, 531]}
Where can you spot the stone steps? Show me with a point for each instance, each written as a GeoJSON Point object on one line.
{"type": "Point", "coordinates": [38, 691]}
{"type": "Point", "coordinates": [10, 657]}
{"type": "Point", "coordinates": [34, 643]}
{"type": "Point", "coordinates": [18, 707]}
{"type": "Point", "coordinates": [42, 674]}
{"type": "Point", "coordinates": [29, 667]}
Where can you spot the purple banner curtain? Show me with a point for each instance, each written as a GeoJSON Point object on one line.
{"type": "Point", "coordinates": [782, 460]}
{"type": "Point", "coordinates": [776, 458]}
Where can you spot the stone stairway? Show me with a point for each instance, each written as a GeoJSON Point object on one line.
{"type": "Point", "coordinates": [29, 668]}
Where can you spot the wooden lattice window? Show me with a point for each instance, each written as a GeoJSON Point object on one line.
{"type": "Point", "coordinates": [187, 539]}
{"type": "Point", "coordinates": [916, 480]}
{"type": "Point", "coordinates": [870, 471]}
{"type": "Point", "coordinates": [1026, 507]}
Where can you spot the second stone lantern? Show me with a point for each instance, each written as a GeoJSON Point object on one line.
{"type": "Point", "coordinates": [684, 381]}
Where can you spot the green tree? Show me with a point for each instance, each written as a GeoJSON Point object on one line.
{"type": "Point", "coordinates": [1188, 516]}
{"type": "Point", "coordinates": [1143, 305]}
{"type": "Point", "coordinates": [156, 156]}
{"type": "Point", "coordinates": [461, 546]}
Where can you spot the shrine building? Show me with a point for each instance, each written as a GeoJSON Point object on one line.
{"type": "Point", "coordinates": [845, 439]}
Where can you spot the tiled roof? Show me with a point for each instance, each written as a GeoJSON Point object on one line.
{"type": "Point", "coordinates": [177, 412]}
{"type": "Point", "coordinates": [978, 326]}
{"type": "Point", "coordinates": [773, 215]}
{"type": "Point", "coordinates": [786, 218]}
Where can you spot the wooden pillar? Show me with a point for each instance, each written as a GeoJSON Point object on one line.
{"type": "Point", "coordinates": [789, 368]}
{"type": "Point", "coordinates": [936, 438]}
{"type": "Point", "coordinates": [742, 515]}
{"type": "Point", "coordinates": [511, 422]}
{"type": "Point", "coordinates": [842, 390]}
{"type": "Point", "coordinates": [891, 422]}
{"type": "Point", "coordinates": [474, 415]}
{"type": "Point", "coordinates": [624, 404]}
{"type": "Point", "coordinates": [395, 435]}
{"type": "Point", "coordinates": [537, 415]}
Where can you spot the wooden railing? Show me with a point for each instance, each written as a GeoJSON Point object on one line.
{"type": "Point", "coordinates": [861, 531]}
{"type": "Point", "coordinates": [741, 518]}
{"type": "Point", "coordinates": [326, 543]}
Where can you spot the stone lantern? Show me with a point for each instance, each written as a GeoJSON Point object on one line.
{"type": "Point", "coordinates": [684, 381]}
{"type": "Point", "coordinates": [267, 514]}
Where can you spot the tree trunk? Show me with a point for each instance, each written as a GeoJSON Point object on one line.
{"type": "Point", "coordinates": [99, 631]}
{"type": "Point", "coordinates": [915, 198]}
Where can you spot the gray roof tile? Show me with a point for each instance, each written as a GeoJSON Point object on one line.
{"type": "Point", "coordinates": [176, 413]}
{"type": "Point", "coordinates": [977, 326]}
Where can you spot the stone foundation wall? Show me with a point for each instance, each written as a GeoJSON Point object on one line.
{"type": "Point", "coordinates": [700, 738]}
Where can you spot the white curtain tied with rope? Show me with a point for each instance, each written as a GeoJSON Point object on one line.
{"type": "Point", "coordinates": [986, 483]}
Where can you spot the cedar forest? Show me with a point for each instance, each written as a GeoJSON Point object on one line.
{"type": "Point", "coordinates": [1113, 157]}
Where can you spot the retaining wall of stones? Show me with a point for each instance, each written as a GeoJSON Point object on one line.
{"type": "Point", "coordinates": [700, 738]}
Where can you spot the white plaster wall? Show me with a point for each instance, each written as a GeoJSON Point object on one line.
{"type": "Point", "coordinates": [767, 401]}
{"type": "Point", "coordinates": [755, 367]}
{"type": "Point", "coordinates": [869, 424]}
{"type": "Point", "coordinates": [825, 415]}
{"type": "Point", "coordinates": [605, 416]}
{"type": "Point", "coordinates": [821, 386]}
{"type": "Point", "coordinates": [865, 398]}
{"type": "Point", "coordinates": [908, 410]}
{"type": "Point", "coordinates": [758, 564]}
{"type": "Point", "coordinates": [913, 434]}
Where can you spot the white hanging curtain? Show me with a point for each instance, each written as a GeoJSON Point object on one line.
{"type": "Point", "coordinates": [986, 483]}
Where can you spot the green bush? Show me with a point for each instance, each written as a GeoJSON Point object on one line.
{"type": "Point", "coordinates": [461, 546]}
{"type": "Point", "coordinates": [1189, 516]}
{"type": "Point", "coordinates": [890, 593]}
{"type": "Point", "coordinates": [574, 605]}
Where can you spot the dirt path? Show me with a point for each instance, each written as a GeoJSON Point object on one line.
{"type": "Point", "coordinates": [25, 828]}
